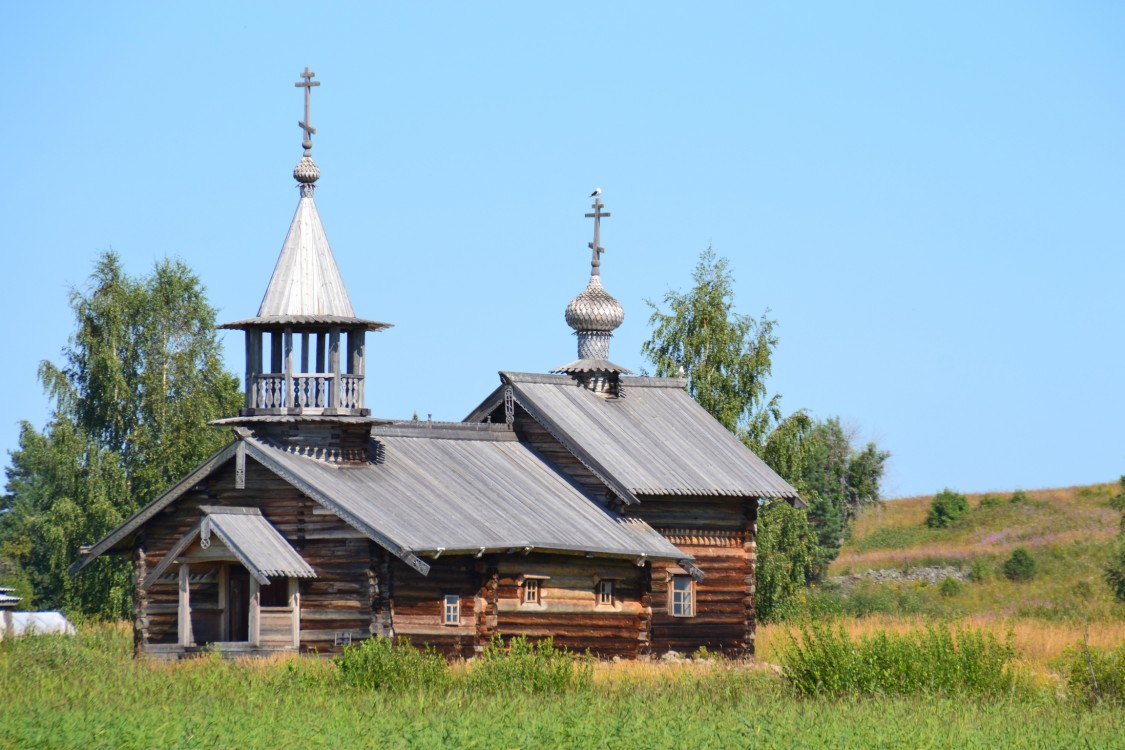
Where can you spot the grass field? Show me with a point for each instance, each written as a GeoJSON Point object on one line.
{"type": "Point", "coordinates": [1068, 531]}
{"type": "Point", "coordinates": [88, 692]}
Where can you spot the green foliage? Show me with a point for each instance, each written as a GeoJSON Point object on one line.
{"type": "Point", "coordinates": [1020, 566]}
{"type": "Point", "coordinates": [529, 667]}
{"type": "Point", "coordinates": [1019, 497]}
{"type": "Point", "coordinates": [141, 378]}
{"type": "Point", "coordinates": [950, 586]}
{"type": "Point", "coordinates": [379, 664]}
{"type": "Point", "coordinates": [1095, 675]}
{"type": "Point", "coordinates": [980, 570]}
{"type": "Point", "coordinates": [1115, 570]}
{"type": "Point", "coordinates": [1117, 502]}
{"type": "Point", "coordinates": [783, 559]}
{"type": "Point", "coordinates": [826, 661]}
{"type": "Point", "coordinates": [726, 358]}
{"type": "Point", "coordinates": [946, 507]}
{"type": "Point", "coordinates": [989, 501]}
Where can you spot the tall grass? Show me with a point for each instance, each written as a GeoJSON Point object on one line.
{"type": "Point", "coordinates": [88, 692]}
{"type": "Point", "coordinates": [534, 667]}
{"type": "Point", "coordinates": [380, 664]}
{"type": "Point", "coordinates": [1096, 675]}
{"type": "Point", "coordinates": [822, 660]}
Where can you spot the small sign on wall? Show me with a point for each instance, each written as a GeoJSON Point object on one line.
{"type": "Point", "coordinates": [343, 638]}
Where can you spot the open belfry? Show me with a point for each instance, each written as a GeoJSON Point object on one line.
{"type": "Point", "coordinates": [608, 511]}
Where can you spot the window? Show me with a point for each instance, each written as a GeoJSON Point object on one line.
{"type": "Point", "coordinates": [451, 609]}
{"type": "Point", "coordinates": [683, 596]}
{"type": "Point", "coordinates": [531, 590]}
{"type": "Point", "coordinates": [605, 593]}
{"type": "Point", "coordinates": [275, 593]}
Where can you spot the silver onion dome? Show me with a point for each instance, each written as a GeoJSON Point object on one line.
{"type": "Point", "coordinates": [595, 309]}
{"type": "Point", "coordinates": [306, 172]}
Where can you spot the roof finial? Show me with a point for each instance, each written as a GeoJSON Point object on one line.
{"type": "Point", "coordinates": [307, 85]}
{"type": "Point", "coordinates": [597, 249]}
{"type": "Point", "coordinates": [306, 171]}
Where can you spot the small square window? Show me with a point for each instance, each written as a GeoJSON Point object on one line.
{"type": "Point", "coordinates": [683, 596]}
{"type": "Point", "coordinates": [531, 590]}
{"type": "Point", "coordinates": [605, 593]}
{"type": "Point", "coordinates": [451, 609]}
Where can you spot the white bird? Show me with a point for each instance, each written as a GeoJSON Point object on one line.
{"type": "Point", "coordinates": [597, 192]}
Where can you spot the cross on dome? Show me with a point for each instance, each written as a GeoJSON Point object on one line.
{"type": "Point", "coordinates": [597, 216]}
{"type": "Point", "coordinates": [310, 131]}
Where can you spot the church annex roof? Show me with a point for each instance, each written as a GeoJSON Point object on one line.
{"type": "Point", "coordinates": [451, 488]}
{"type": "Point", "coordinates": [653, 440]}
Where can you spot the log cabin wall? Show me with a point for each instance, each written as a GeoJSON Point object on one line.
{"type": "Point", "coordinates": [719, 532]}
{"type": "Point", "coordinates": [569, 607]}
{"type": "Point", "coordinates": [339, 601]}
{"type": "Point", "coordinates": [492, 592]}
{"type": "Point", "coordinates": [418, 613]}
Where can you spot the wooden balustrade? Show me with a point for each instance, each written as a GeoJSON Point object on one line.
{"type": "Point", "coordinates": [311, 391]}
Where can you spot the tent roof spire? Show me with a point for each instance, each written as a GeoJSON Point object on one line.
{"type": "Point", "coordinates": [306, 286]}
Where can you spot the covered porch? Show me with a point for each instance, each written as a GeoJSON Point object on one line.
{"type": "Point", "coordinates": [238, 585]}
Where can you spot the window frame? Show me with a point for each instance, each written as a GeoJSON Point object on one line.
{"type": "Point", "coordinates": [451, 617]}
{"type": "Point", "coordinates": [678, 597]}
{"type": "Point", "coordinates": [532, 593]}
{"type": "Point", "coordinates": [604, 587]}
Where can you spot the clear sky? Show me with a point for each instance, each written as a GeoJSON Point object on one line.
{"type": "Point", "coordinates": [928, 197]}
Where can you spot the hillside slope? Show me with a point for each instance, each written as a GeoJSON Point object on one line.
{"type": "Point", "coordinates": [1067, 531]}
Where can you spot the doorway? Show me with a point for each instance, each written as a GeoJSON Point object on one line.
{"type": "Point", "coordinates": [238, 603]}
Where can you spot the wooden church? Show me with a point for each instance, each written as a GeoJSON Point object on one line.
{"type": "Point", "coordinates": [609, 511]}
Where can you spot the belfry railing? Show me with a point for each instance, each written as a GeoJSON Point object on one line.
{"type": "Point", "coordinates": [310, 392]}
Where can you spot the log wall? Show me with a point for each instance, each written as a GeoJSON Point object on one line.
{"type": "Point", "coordinates": [339, 600]}
{"type": "Point", "coordinates": [418, 602]}
{"type": "Point", "coordinates": [568, 610]}
{"type": "Point", "coordinates": [719, 533]}
{"type": "Point", "coordinates": [491, 591]}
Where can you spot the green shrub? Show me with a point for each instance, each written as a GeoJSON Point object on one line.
{"type": "Point", "coordinates": [1115, 570]}
{"type": "Point", "coordinates": [946, 507]}
{"type": "Point", "coordinates": [527, 666]}
{"type": "Point", "coordinates": [378, 663]}
{"type": "Point", "coordinates": [1019, 497]}
{"type": "Point", "coordinates": [980, 570]}
{"type": "Point", "coordinates": [826, 661]}
{"type": "Point", "coordinates": [989, 501]}
{"type": "Point", "coordinates": [950, 586]}
{"type": "Point", "coordinates": [1096, 676]}
{"type": "Point", "coordinates": [1020, 566]}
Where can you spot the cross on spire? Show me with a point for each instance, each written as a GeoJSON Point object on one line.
{"type": "Point", "coordinates": [310, 131]}
{"type": "Point", "coordinates": [597, 216]}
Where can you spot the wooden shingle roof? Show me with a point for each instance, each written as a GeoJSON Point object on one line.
{"type": "Point", "coordinates": [306, 288]}
{"type": "Point", "coordinates": [655, 440]}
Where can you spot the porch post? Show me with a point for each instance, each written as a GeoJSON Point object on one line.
{"type": "Point", "coordinates": [184, 621]}
{"type": "Point", "coordinates": [255, 612]}
{"type": "Point", "coordinates": [295, 607]}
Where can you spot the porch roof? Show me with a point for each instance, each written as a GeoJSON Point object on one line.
{"type": "Point", "coordinates": [249, 536]}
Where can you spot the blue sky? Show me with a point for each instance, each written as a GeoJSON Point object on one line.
{"type": "Point", "coordinates": [928, 197]}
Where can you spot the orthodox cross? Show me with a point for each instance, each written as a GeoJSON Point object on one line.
{"type": "Point", "coordinates": [597, 216]}
{"type": "Point", "coordinates": [307, 85]}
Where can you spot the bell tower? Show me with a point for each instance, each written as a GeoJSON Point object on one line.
{"type": "Point", "coordinates": [306, 349]}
